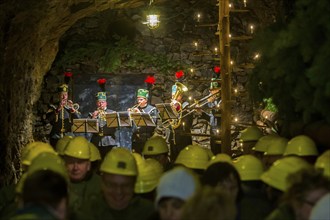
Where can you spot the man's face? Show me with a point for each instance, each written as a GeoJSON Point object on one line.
{"type": "Point", "coordinates": [118, 190]}
{"type": "Point", "coordinates": [142, 101]}
{"type": "Point", "coordinates": [101, 104]}
{"type": "Point", "coordinates": [77, 168]}
{"type": "Point", "coordinates": [170, 208]}
{"type": "Point", "coordinates": [63, 96]}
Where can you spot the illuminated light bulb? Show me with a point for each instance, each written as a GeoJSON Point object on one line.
{"type": "Point", "coordinates": [244, 1]}
{"type": "Point", "coordinates": [191, 70]}
{"type": "Point", "coordinates": [218, 105]}
{"type": "Point", "coordinates": [230, 5]}
{"type": "Point", "coordinates": [236, 119]}
{"type": "Point", "coordinates": [231, 62]}
{"type": "Point", "coordinates": [196, 45]}
{"type": "Point", "coordinates": [251, 29]}
{"type": "Point", "coordinates": [218, 131]}
{"type": "Point", "coordinates": [198, 17]}
{"type": "Point", "coordinates": [229, 35]}
{"type": "Point", "coordinates": [216, 51]}
{"type": "Point", "coordinates": [152, 21]}
{"type": "Point", "coordinates": [257, 56]}
{"type": "Point", "coordinates": [190, 98]}
{"type": "Point", "coordinates": [235, 90]}
{"type": "Point", "coordinates": [241, 144]}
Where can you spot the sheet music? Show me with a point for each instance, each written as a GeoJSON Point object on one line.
{"type": "Point", "coordinates": [142, 119]}
{"type": "Point", "coordinates": [85, 125]}
{"type": "Point", "coordinates": [166, 111]}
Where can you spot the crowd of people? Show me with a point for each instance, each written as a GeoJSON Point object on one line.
{"type": "Point", "coordinates": [73, 177]}
{"type": "Point", "coordinates": [73, 181]}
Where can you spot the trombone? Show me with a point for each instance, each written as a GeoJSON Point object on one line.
{"type": "Point", "coordinates": [198, 104]}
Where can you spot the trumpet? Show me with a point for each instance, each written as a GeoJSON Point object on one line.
{"type": "Point", "coordinates": [135, 108]}
{"type": "Point", "coordinates": [70, 105]}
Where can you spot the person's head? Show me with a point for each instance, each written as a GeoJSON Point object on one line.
{"type": "Point", "coordinates": [321, 209]}
{"type": "Point", "coordinates": [63, 92]}
{"type": "Point", "coordinates": [156, 148]}
{"type": "Point", "coordinates": [215, 86]}
{"type": "Point", "coordinates": [142, 97]}
{"type": "Point", "coordinates": [61, 144]}
{"type": "Point", "coordinates": [262, 145]}
{"type": "Point", "coordinates": [193, 157]}
{"type": "Point", "coordinates": [175, 187]}
{"type": "Point", "coordinates": [277, 174]}
{"type": "Point", "coordinates": [225, 176]}
{"type": "Point", "coordinates": [49, 189]}
{"type": "Point", "coordinates": [32, 150]}
{"type": "Point", "coordinates": [249, 137]}
{"type": "Point", "coordinates": [101, 100]}
{"type": "Point", "coordinates": [208, 204]}
{"type": "Point", "coordinates": [249, 167]}
{"type": "Point", "coordinates": [119, 172]}
{"type": "Point", "coordinates": [222, 157]}
{"type": "Point", "coordinates": [274, 151]}
{"type": "Point", "coordinates": [302, 146]}
{"type": "Point", "coordinates": [150, 171]}
{"type": "Point", "coordinates": [306, 187]}
{"type": "Point", "coordinates": [323, 163]}
{"type": "Point", "coordinates": [77, 156]}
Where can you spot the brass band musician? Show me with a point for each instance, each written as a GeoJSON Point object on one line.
{"type": "Point", "coordinates": [60, 115]}
{"type": "Point", "coordinates": [105, 139]}
{"type": "Point", "coordinates": [180, 133]}
{"type": "Point", "coordinates": [214, 114]}
{"type": "Point", "coordinates": [142, 134]}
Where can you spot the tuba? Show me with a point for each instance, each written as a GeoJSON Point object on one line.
{"type": "Point", "coordinates": [176, 105]}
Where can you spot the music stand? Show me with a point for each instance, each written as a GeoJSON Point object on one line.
{"type": "Point", "coordinates": [166, 111]}
{"type": "Point", "coordinates": [142, 119]}
{"type": "Point", "coordinates": [118, 119]}
{"type": "Point", "coordinates": [85, 125]}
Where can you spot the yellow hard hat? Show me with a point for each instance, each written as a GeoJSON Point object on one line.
{"type": "Point", "coordinates": [78, 147]}
{"type": "Point", "coordinates": [95, 153]}
{"type": "Point", "coordinates": [48, 161]}
{"type": "Point", "coordinates": [252, 133]}
{"type": "Point", "coordinates": [193, 156]}
{"type": "Point", "coordinates": [44, 161]}
{"type": "Point", "coordinates": [301, 145]}
{"type": "Point", "coordinates": [119, 161]}
{"type": "Point", "coordinates": [20, 184]}
{"type": "Point", "coordinates": [263, 143]}
{"type": "Point", "coordinates": [155, 145]}
{"type": "Point", "coordinates": [138, 158]}
{"type": "Point", "coordinates": [34, 150]}
{"type": "Point", "coordinates": [277, 146]}
{"type": "Point", "coordinates": [26, 149]}
{"type": "Point", "coordinates": [150, 172]}
{"type": "Point", "coordinates": [323, 163]}
{"type": "Point", "coordinates": [220, 158]}
{"type": "Point", "coordinates": [249, 167]}
{"type": "Point", "coordinates": [61, 144]}
{"type": "Point", "coordinates": [277, 174]}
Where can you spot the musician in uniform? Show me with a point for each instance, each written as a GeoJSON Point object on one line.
{"type": "Point", "coordinates": [142, 134]}
{"type": "Point", "coordinates": [105, 139]}
{"type": "Point", "coordinates": [214, 115]}
{"type": "Point", "coordinates": [180, 136]}
{"type": "Point", "coordinates": [61, 115]}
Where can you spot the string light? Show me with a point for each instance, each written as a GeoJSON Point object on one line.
{"type": "Point", "coordinates": [244, 1]}
{"type": "Point", "coordinates": [216, 51]}
{"type": "Point", "coordinates": [251, 29]}
{"type": "Point", "coordinates": [196, 45]}
{"type": "Point", "coordinates": [230, 5]}
{"type": "Point", "coordinates": [236, 119]}
{"type": "Point", "coordinates": [198, 17]}
{"type": "Point", "coordinates": [229, 35]}
{"type": "Point", "coordinates": [256, 56]}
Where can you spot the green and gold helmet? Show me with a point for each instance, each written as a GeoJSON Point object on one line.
{"type": "Point", "coordinates": [143, 93]}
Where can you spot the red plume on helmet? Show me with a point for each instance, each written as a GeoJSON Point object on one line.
{"type": "Point", "coordinates": [179, 75]}
{"type": "Point", "coordinates": [67, 76]}
{"type": "Point", "coordinates": [150, 80]}
{"type": "Point", "coordinates": [101, 83]}
{"type": "Point", "coordinates": [217, 69]}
